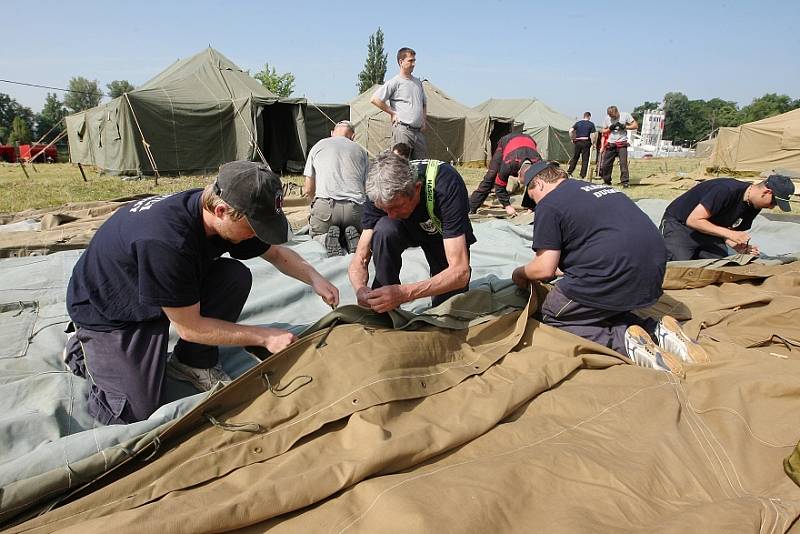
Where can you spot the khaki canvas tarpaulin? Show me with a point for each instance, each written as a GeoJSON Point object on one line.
{"type": "Point", "coordinates": [507, 425]}
{"type": "Point", "coordinates": [52, 230]}
{"type": "Point", "coordinates": [549, 128]}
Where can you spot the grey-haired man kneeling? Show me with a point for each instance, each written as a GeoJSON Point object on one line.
{"type": "Point", "coordinates": [425, 205]}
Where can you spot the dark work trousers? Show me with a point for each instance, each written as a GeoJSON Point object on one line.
{"type": "Point", "coordinates": [390, 238]}
{"type": "Point", "coordinates": [478, 196]}
{"type": "Point", "coordinates": [605, 327]}
{"type": "Point", "coordinates": [610, 153]}
{"type": "Point", "coordinates": [580, 150]}
{"type": "Point", "coordinates": [683, 243]}
{"type": "Point", "coordinates": [126, 366]}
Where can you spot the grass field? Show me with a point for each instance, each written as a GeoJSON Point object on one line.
{"type": "Point", "coordinates": [56, 184]}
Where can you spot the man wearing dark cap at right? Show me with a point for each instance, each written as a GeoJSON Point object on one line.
{"type": "Point", "coordinates": [157, 262]}
{"type": "Point", "coordinates": [716, 214]}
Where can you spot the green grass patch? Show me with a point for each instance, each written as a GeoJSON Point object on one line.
{"type": "Point", "coordinates": [56, 184]}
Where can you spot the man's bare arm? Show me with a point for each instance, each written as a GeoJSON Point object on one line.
{"type": "Point", "coordinates": [195, 328]}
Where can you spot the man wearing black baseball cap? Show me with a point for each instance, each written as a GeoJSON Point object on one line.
{"type": "Point", "coordinates": [611, 260]}
{"type": "Point", "coordinates": [716, 214]}
{"type": "Point", "coordinates": [157, 262]}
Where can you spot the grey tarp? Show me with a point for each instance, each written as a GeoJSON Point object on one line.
{"type": "Point", "coordinates": [202, 101]}
{"type": "Point", "coordinates": [548, 127]}
{"type": "Point", "coordinates": [455, 132]}
{"type": "Point", "coordinates": [544, 437]}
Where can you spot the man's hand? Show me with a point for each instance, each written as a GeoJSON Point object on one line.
{"type": "Point", "coordinates": [386, 298]}
{"type": "Point", "coordinates": [395, 118]}
{"type": "Point", "coordinates": [362, 296]}
{"type": "Point", "coordinates": [519, 278]}
{"type": "Point", "coordinates": [737, 239]}
{"type": "Point", "coordinates": [747, 249]}
{"type": "Point", "coordinates": [327, 291]}
{"type": "Point", "coordinates": [510, 210]}
{"type": "Point", "coordinates": [276, 339]}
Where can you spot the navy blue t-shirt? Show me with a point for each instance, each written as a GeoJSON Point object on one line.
{"type": "Point", "coordinates": [583, 129]}
{"type": "Point", "coordinates": [724, 200]}
{"type": "Point", "coordinates": [450, 205]}
{"type": "Point", "coordinates": [148, 254]}
{"type": "Point", "coordinates": [612, 255]}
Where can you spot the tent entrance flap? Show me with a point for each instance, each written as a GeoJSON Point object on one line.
{"type": "Point", "coordinates": [279, 137]}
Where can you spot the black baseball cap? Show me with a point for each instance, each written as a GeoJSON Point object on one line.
{"type": "Point", "coordinates": [256, 191]}
{"type": "Point", "coordinates": [533, 170]}
{"type": "Point", "coordinates": [782, 188]}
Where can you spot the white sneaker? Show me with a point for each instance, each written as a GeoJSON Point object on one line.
{"type": "Point", "coordinates": [645, 353]}
{"type": "Point", "coordinates": [202, 379]}
{"type": "Point", "coordinates": [672, 338]}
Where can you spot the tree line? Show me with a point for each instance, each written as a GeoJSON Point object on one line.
{"type": "Point", "coordinates": [694, 120]}
{"type": "Point", "coordinates": [19, 124]}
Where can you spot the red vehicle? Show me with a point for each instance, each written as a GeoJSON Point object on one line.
{"type": "Point", "coordinates": [28, 152]}
{"type": "Point", "coordinates": [8, 153]}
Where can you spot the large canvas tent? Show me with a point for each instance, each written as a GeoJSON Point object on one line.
{"type": "Point", "coordinates": [197, 114]}
{"type": "Point", "coordinates": [771, 143]}
{"type": "Point", "coordinates": [455, 132]}
{"type": "Point", "coordinates": [548, 127]}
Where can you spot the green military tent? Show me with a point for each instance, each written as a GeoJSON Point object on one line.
{"type": "Point", "coordinates": [455, 132]}
{"type": "Point", "coordinates": [548, 127]}
{"type": "Point", "coordinates": [197, 114]}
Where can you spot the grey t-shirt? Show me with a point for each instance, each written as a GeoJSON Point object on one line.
{"type": "Point", "coordinates": [406, 98]}
{"type": "Point", "coordinates": [339, 168]}
{"type": "Point", "coordinates": [624, 118]}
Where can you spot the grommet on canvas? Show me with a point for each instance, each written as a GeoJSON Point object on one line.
{"type": "Point", "coordinates": [257, 450]}
{"type": "Point", "coordinates": [355, 401]}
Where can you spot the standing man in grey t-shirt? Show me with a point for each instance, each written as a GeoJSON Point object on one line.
{"type": "Point", "coordinates": [407, 105]}
{"type": "Point", "coordinates": [336, 173]}
{"type": "Point", "coordinates": [616, 126]}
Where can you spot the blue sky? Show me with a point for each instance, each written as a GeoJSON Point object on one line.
{"type": "Point", "coordinates": [574, 56]}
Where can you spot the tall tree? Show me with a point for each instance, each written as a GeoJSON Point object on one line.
{"type": "Point", "coordinates": [83, 94]}
{"type": "Point", "coordinates": [9, 109]}
{"type": "Point", "coordinates": [676, 111]}
{"type": "Point", "coordinates": [280, 84]}
{"type": "Point", "coordinates": [769, 105]}
{"type": "Point", "coordinates": [51, 114]}
{"type": "Point", "coordinates": [375, 67]}
{"type": "Point", "coordinates": [118, 87]}
{"type": "Point", "coordinates": [20, 132]}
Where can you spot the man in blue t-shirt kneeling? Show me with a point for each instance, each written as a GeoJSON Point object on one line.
{"type": "Point", "coordinates": [157, 262]}
{"type": "Point", "coordinates": [421, 204]}
{"type": "Point", "coordinates": [611, 260]}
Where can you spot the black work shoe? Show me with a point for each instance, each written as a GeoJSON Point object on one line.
{"type": "Point", "coordinates": [352, 236]}
{"type": "Point", "coordinates": [332, 246]}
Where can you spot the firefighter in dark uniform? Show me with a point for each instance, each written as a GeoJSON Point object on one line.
{"type": "Point", "coordinates": [716, 214]}
{"type": "Point", "coordinates": [422, 204]}
{"type": "Point", "coordinates": [511, 151]}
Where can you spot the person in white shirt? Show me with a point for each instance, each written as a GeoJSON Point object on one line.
{"type": "Point", "coordinates": [403, 98]}
{"type": "Point", "coordinates": [616, 126]}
